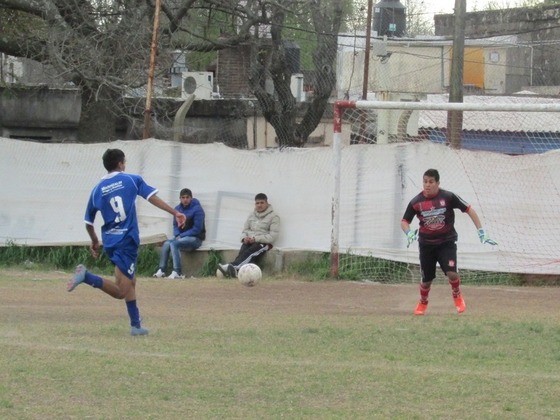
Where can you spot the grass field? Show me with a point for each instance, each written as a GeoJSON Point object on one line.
{"type": "Point", "coordinates": [282, 349]}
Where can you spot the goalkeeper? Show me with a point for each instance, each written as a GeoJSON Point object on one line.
{"type": "Point", "coordinates": [437, 236]}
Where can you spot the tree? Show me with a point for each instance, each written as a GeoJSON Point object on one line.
{"type": "Point", "coordinates": [95, 45]}
{"type": "Point", "coordinates": [281, 113]}
{"type": "Point", "coordinates": [417, 20]}
{"type": "Point", "coordinates": [102, 46]}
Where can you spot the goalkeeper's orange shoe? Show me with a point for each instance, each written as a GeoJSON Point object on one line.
{"type": "Point", "coordinates": [421, 308]}
{"type": "Point", "coordinates": [460, 304]}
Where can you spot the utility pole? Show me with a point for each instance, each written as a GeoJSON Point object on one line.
{"type": "Point", "coordinates": [368, 47]}
{"type": "Point", "coordinates": [151, 71]}
{"type": "Point", "coordinates": [365, 81]}
{"type": "Point", "coordinates": [455, 118]}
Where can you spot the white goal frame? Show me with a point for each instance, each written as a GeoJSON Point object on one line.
{"type": "Point", "coordinates": [341, 105]}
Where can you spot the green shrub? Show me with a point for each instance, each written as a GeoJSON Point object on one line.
{"type": "Point", "coordinates": [314, 267]}
{"type": "Point", "coordinates": [148, 260]}
{"type": "Point", "coordinates": [210, 266]}
{"type": "Point", "coordinates": [67, 257]}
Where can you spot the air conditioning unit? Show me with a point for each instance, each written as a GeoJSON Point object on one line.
{"type": "Point", "coordinates": [200, 84]}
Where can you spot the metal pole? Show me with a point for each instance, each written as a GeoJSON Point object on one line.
{"type": "Point", "coordinates": [339, 107]}
{"type": "Point", "coordinates": [335, 209]}
{"type": "Point", "coordinates": [151, 71]}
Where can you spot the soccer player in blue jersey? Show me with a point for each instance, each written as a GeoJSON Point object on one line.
{"type": "Point", "coordinates": [437, 237]}
{"type": "Point", "coordinates": [115, 198]}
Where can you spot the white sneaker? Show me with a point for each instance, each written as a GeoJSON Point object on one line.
{"type": "Point", "coordinates": [223, 269]}
{"type": "Point", "coordinates": [159, 274]}
{"type": "Point", "coordinates": [174, 275]}
{"type": "Point", "coordinates": [228, 270]}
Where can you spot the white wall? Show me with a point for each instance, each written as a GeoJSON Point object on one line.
{"type": "Point", "coordinates": [261, 134]}
{"type": "Point", "coordinates": [415, 67]}
{"type": "Point", "coordinates": [45, 188]}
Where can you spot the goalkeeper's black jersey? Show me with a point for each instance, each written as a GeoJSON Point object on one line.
{"type": "Point", "coordinates": [436, 215]}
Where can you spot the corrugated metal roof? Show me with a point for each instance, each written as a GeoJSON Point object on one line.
{"type": "Point", "coordinates": [517, 143]}
{"type": "Point", "coordinates": [504, 121]}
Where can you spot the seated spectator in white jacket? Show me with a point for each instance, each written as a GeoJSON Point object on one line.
{"type": "Point", "coordinates": [259, 233]}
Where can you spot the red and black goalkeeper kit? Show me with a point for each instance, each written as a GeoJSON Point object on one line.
{"type": "Point", "coordinates": [436, 215]}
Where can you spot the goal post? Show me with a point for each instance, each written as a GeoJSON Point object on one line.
{"type": "Point", "coordinates": [339, 108]}
{"type": "Point", "coordinates": [506, 164]}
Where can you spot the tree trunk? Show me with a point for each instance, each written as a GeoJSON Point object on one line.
{"type": "Point", "coordinates": [98, 122]}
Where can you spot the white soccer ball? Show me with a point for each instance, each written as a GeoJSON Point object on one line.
{"type": "Point", "coordinates": [219, 274]}
{"type": "Point", "coordinates": [249, 275]}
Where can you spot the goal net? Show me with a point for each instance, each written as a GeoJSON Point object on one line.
{"type": "Point", "coordinates": [500, 154]}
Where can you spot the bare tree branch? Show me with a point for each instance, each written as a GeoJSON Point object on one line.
{"type": "Point", "coordinates": [102, 46]}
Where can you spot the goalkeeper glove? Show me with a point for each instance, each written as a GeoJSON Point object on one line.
{"type": "Point", "coordinates": [411, 236]}
{"type": "Point", "coordinates": [484, 238]}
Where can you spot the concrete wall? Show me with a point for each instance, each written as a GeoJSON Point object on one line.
{"type": "Point", "coordinates": [52, 115]}
{"type": "Point", "coordinates": [273, 262]}
{"type": "Point", "coordinates": [535, 25]}
{"type": "Point", "coordinates": [235, 122]}
{"type": "Point", "coordinates": [40, 113]}
{"type": "Point", "coordinates": [261, 135]}
{"type": "Point", "coordinates": [505, 21]}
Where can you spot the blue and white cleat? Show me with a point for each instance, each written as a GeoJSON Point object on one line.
{"type": "Point", "coordinates": [135, 331]}
{"type": "Point", "coordinates": [79, 277]}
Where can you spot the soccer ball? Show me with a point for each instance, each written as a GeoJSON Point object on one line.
{"type": "Point", "coordinates": [249, 275]}
{"type": "Point", "coordinates": [219, 274]}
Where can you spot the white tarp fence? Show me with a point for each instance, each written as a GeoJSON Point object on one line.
{"type": "Point", "coordinates": [45, 188]}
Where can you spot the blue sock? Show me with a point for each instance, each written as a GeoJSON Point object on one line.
{"type": "Point", "coordinates": [133, 313]}
{"type": "Point", "coordinates": [93, 280]}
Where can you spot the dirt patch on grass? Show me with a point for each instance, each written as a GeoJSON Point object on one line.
{"type": "Point", "coordinates": [221, 296]}
{"type": "Point", "coordinates": [355, 298]}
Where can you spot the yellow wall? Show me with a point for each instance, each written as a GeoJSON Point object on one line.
{"type": "Point", "coordinates": [473, 70]}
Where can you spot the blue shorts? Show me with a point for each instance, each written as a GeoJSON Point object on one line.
{"type": "Point", "coordinates": [124, 256]}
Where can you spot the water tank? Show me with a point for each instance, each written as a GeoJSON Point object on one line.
{"type": "Point", "coordinates": [389, 18]}
{"type": "Point", "coordinates": [292, 55]}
